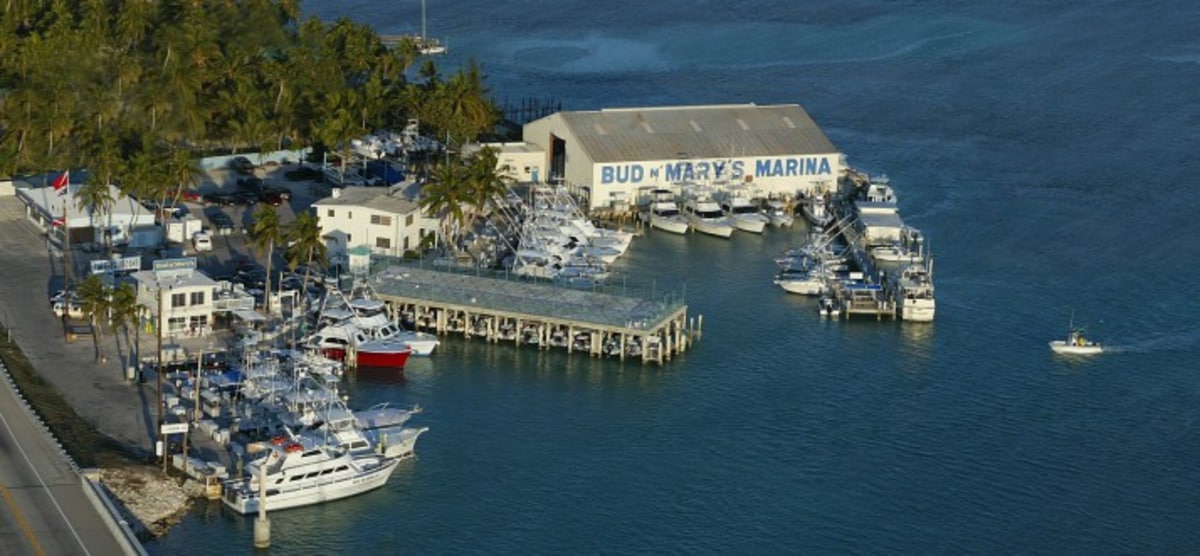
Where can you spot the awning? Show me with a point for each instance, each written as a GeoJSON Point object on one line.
{"type": "Point", "coordinates": [249, 316]}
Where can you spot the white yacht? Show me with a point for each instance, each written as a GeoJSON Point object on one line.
{"type": "Point", "coordinates": [707, 217]}
{"type": "Point", "coordinates": [914, 294]}
{"type": "Point", "coordinates": [300, 472]}
{"type": "Point", "coordinates": [665, 216]}
{"type": "Point", "coordinates": [744, 214]}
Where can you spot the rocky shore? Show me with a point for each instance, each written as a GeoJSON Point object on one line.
{"type": "Point", "coordinates": [151, 501]}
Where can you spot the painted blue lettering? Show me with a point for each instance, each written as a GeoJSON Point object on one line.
{"type": "Point", "coordinates": [824, 169]}
{"type": "Point", "coordinates": [762, 168]}
{"type": "Point", "coordinates": [739, 170]}
{"type": "Point", "coordinates": [606, 174]}
{"type": "Point", "coordinates": [636, 173]}
{"type": "Point", "coordinates": [790, 167]}
{"type": "Point", "coordinates": [810, 166]}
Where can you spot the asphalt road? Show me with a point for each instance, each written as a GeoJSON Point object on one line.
{"type": "Point", "coordinates": [43, 508]}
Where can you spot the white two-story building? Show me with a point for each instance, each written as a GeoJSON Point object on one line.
{"type": "Point", "coordinates": [382, 219]}
{"type": "Point", "coordinates": [186, 296]}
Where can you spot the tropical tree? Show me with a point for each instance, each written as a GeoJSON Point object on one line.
{"type": "Point", "coordinates": [96, 198]}
{"type": "Point", "coordinates": [305, 243]}
{"type": "Point", "coordinates": [485, 181]}
{"type": "Point", "coordinates": [125, 311]}
{"type": "Point", "coordinates": [265, 233]}
{"type": "Point", "coordinates": [444, 196]}
{"type": "Point", "coordinates": [95, 298]}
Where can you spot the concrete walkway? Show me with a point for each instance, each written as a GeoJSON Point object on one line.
{"type": "Point", "coordinates": [29, 271]}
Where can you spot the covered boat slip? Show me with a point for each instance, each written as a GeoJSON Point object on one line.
{"type": "Point", "coordinates": [496, 307]}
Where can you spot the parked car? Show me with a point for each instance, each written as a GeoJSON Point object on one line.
{"type": "Point", "coordinates": [250, 183]}
{"type": "Point", "coordinates": [283, 192]}
{"type": "Point", "coordinates": [273, 198]}
{"type": "Point", "coordinates": [245, 198]}
{"type": "Point", "coordinates": [220, 199]}
{"type": "Point", "coordinates": [202, 242]}
{"type": "Point", "coordinates": [222, 223]}
{"type": "Point", "coordinates": [241, 165]}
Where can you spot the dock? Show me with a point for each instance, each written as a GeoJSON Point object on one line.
{"type": "Point", "coordinates": [492, 307]}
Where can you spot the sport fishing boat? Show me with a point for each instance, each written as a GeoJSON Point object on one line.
{"type": "Point", "coordinates": [1076, 344]}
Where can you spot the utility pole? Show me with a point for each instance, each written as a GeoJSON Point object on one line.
{"type": "Point", "coordinates": [159, 331]}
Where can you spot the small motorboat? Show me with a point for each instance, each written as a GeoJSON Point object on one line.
{"type": "Point", "coordinates": [1076, 344]}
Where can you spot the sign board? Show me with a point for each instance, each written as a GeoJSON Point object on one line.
{"type": "Point", "coordinates": [120, 264]}
{"type": "Point", "coordinates": [174, 428]}
{"type": "Point", "coordinates": [182, 263]}
{"type": "Point", "coordinates": [182, 266]}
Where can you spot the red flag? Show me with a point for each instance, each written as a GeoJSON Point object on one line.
{"type": "Point", "coordinates": [57, 222]}
{"type": "Point", "coordinates": [61, 182]}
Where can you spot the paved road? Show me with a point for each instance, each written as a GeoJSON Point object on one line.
{"type": "Point", "coordinates": [43, 508]}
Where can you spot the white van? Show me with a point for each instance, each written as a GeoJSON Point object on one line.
{"type": "Point", "coordinates": [201, 242]}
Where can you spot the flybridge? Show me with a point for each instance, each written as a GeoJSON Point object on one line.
{"type": "Point", "coordinates": [682, 171]}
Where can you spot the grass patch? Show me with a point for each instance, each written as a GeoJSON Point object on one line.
{"type": "Point", "coordinates": [81, 440]}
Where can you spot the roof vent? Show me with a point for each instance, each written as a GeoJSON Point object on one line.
{"type": "Point", "coordinates": [336, 193]}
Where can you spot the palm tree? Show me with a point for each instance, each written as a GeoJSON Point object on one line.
{"type": "Point", "coordinates": [96, 197]}
{"type": "Point", "coordinates": [485, 181]}
{"type": "Point", "coordinates": [96, 301]}
{"type": "Point", "coordinates": [124, 311]}
{"type": "Point", "coordinates": [444, 196]}
{"type": "Point", "coordinates": [265, 233]}
{"type": "Point", "coordinates": [305, 243]}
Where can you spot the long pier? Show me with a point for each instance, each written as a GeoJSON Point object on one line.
{"type": "Point", "coordinates": [534, 313]}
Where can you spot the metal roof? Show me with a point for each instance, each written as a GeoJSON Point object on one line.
{"type": "Point", "coordinates": [680, 132]}
{"type": "Point", "coordinates": [379, 198]}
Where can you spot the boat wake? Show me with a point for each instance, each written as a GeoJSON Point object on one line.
{"type": "Point", "coordinates": [1182, 341]}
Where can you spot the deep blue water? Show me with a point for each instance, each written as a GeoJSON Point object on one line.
{"type": "Point", "coordinates": [1048, 152]}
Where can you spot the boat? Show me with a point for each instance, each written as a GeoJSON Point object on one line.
{"type": "Point", "coordinates": [778, 213]}
{"type": "Point", "coordinates": [827, 307]}
{"type": "Point", "coordinates": [363, 310]}
{"type": "Point", "coordinates": [809, 280]}
{"type": "Point", "coordinates": [744, 214]}
{"type": "Point", "coordinates": [816, 211]}
{"type": "Point", "coordinates": [914, 293]}
{"type": "Point", "coordinates": [1076, 343]}
{"type": "Point", "coordinates": [300, 472]}
{"type": "Point", "coordinates": [707, 217]}
{"type": "Point", "coordinates": [338, 341]}
{"type": "Point", "coordinates": [425, 45]}
{"type": "Point", "coordinates": [665, 216]}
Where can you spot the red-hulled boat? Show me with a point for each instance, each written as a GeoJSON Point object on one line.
{"type": "Point", "coordinates": [335, 342]}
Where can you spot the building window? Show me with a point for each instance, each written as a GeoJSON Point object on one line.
{"type": "Point", "coordinates": [348, 240]}
{"type": "Point", "coordinates": [197, 298]}
{"type": "Point", "coordinates": [383, 242]}
{"type": "Point", "coordinates": [409, 221]}
{"type": "Point", "coordinates": [329, 213]}
{"type": "Point", "coordinates": [178, 300]}
{"type": "Point", "coordinates": [381, 220]}
{"type": "Point", "coordinates": [349, 215]}
{"type": "Point", "coordinates": [406, 243]}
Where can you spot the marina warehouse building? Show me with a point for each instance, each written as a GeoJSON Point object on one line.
{"type": "Point", "coordinates": [615, 156]}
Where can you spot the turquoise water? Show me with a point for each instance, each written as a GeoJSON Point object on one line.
{"type": "Point", "coordinates": [1047, 152]}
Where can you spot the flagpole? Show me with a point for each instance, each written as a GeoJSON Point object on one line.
{"type": "Point", "coordinates": [66, 247]}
